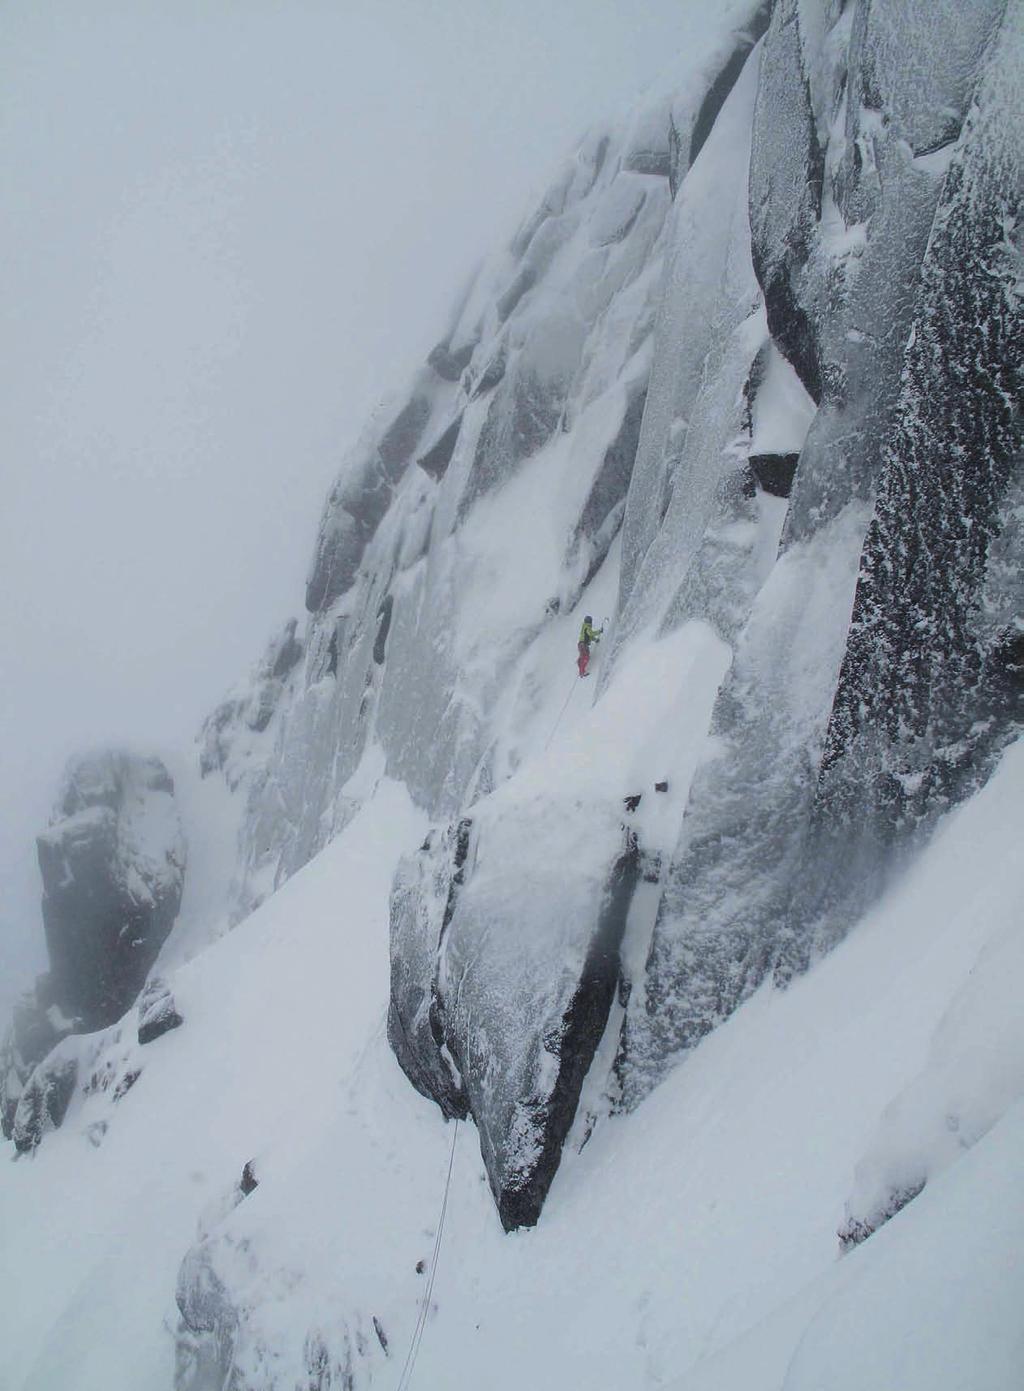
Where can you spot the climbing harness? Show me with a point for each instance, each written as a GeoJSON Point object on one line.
{"type": "Point", "coordinates": [417, 1336]}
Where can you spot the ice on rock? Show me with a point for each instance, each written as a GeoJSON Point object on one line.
{"type": "Point", "coordinates": [687, 485]}
{"type": "Point", "coordinates": [756, 884]}
{"type": "Point", "coordinates": [923, 706]}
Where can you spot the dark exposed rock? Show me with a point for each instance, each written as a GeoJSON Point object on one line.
{"type": "Point", "coordinates": [435, 461]}
{"type": "Point", "coordinates": [399, 441]}
{"type": "Point", "coordinates": [612, 481]}
{"type": "Point", "coordinates": [522, 1092]}
{"type": "Point", "coordinates": [857, 1229]}
{"type": "Point", "coordinates": [248, 1182]}
{"type": "Point", "coordinates": [509, 301]}
{"type": "Point", "coordinates": [158, 1013]}
{"type": "Point", "coordinates": [520, 1177]}
{"type": "Point", "coordinates": [774, 472]}
{"type": "Point", "coordinates": [380, 642]}
{"type": "Point", "coordinates": [113, 867]}
{"type": "Point", "coordinates": [726, 79]}
{"type": "Point", "coordinates": [492, 373]}
{"type": "Point", "coordinates": [422, 904]}
{"type": "Point", "coordinates": [354, 509]}
{"type": "Point", "coordinates": [523, 416]}
{"type": "Point", "coordinates": [126, 1083]}
{"type": "Point", "coordinates": [656, 162]}
{"type": "Point", "coordinates": [786, 178]}
{"type": "Point", "coordinates": [450, 364]}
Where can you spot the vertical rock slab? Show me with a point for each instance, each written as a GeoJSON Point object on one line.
{"type": "Point", "coordinates": [502, 981]}
{"type": "Point", "coordinates": [926, 696]}
{"type": "Point", "coordinates": [840, 242]}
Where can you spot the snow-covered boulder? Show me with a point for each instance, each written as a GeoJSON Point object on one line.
{"type": "Point", "coordinates": [113, 868]}
{"type": "Point", "coordinates": [158, 1013]}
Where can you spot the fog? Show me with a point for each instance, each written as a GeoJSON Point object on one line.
{"type": "Point", "coordinates": [226, 230]}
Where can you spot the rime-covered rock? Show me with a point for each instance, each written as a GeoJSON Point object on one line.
{"type": "Point", "coordinates": [226, 740]}
{"type": "Point", "coordinates": [37, 1026]}
{"type": "Point", "coordinates": [923, 706]}
{"type": "Point", "coordinates": [158, 1013]}
{"type": "Point", "coordinates": [502, 983]}
{"type": "Point", "coordinates": [43, 1104]}
{"type": "Point", "coordinates": [843, 221]}
{"type": "Point", "coordinates": [113, 869]}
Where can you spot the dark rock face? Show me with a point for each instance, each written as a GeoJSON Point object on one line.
{"type": "Point", "coordinates": [448, 363]}
{"type": "Point", "coordinates": [458, 942]}
{"type": "Point", "coordinates": [158, 1013]}
{"type": "Point", "coordinates": [422, 906]}
{"type": "Point", "coordinates": [774, 472]}
{"type": "Point", "coordinates": [726, 80]}
{"type": "Point", "coordinates": [380, 642]}
{"type": "Point", "coordinates": [113, 868]}
{"type": "Point", "coordinates": [785, 195]}
{"type": "Point", "coordinates": [400, 439]}
{"type": "Point", "coordinates": [435, 461]}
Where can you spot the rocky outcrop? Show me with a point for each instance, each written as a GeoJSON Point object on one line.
{"type": "Point", "coordinates": [225, 740]}
{"type": "Point", "coordinates": [501, 987]}
{"type": "Point", "coordinates": [113, 869]}
{"type": "Point", "coordinates": [158, 1013]}
{"type": "Point", "coordinates": [44, 1102]}
{"type": "Point", "coordinates": [37, 1026]}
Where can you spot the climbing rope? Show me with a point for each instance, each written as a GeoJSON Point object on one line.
{"type": "Point", "coordinates": [561, 712]}
{"type": "Point", "coordinates": [417, 1335]}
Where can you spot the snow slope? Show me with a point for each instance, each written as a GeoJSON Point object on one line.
{"type": "Point", "coordinates": [707, 1216]}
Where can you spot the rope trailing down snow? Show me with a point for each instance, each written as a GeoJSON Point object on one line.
{"type": "Point", "coordinates": [561, 712]}
{"type": "Point", "coordinates": [405, 1379]}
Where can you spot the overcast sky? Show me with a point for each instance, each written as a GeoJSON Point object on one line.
{"type": "Point", "coordinates": [226, 230]}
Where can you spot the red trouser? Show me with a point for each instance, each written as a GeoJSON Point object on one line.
{"type": "Point", "coordinates": [583, 660]}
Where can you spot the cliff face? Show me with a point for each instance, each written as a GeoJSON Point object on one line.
{"type": "Point", "coordinates": [744, 389]}
{"type": "Point", "coordinates": [747, 380]}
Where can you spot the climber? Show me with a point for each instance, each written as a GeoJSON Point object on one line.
{"type": "Point", "coordinates": [588, 634]}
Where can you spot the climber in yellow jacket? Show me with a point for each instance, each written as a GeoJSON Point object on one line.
{"type": "Point", "coordinates": [588, 634]}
